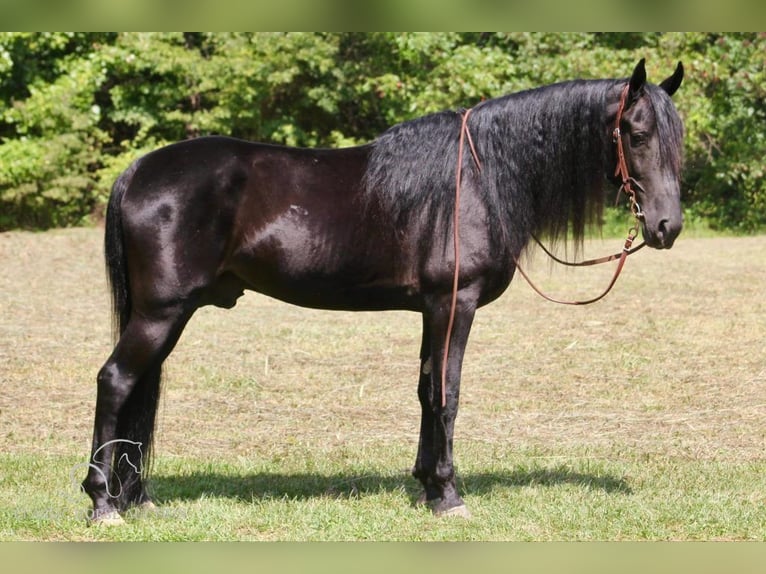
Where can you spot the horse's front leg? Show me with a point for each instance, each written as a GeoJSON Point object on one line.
{"type": "Point", "coordinates": [434, 466]}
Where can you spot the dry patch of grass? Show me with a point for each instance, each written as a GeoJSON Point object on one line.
{"type": "Point", "coordinates": [665, 377]}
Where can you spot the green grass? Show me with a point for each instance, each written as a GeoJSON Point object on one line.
{"type": "Point", "coordinates": [321, 496]}
{"type": "Point", "coordinates": [640, 418]}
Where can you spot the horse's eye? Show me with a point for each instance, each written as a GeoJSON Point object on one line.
{"type": "Point", "coordinates": [638, 139]}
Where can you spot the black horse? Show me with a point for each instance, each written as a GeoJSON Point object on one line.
{"type": "Point", "coordinates": [365, 228]}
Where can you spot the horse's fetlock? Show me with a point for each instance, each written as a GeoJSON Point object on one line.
{"type": "Point", "coordinates": [444, 474]}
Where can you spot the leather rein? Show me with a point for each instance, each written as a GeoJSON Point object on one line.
{"type": "Point", "coordinates": [626, 187]}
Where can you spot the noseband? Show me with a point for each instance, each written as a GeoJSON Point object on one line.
{"type": "Point", "coordinates": [627, 183]}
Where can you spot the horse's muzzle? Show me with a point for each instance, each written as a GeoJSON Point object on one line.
{"type": "Point", "coordinates": [664, 234]}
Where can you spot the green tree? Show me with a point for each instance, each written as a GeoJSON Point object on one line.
{"type": "Point", "coordinates": [727, 130]}
{"type": "Point", "coordinates": [77, 108]}
{"type": "Point", "coordinates": [49, 136]}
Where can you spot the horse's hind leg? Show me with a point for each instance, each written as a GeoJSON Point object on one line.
{"type": "Point", "coordinates": [126, 404]}
{"type": "Point", "coordinates": [434, 464]}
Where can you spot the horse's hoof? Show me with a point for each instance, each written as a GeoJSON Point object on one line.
{"type": "Point", "coordinates": [147, 506]}
{"type": "Point", "coordinates": [111, 518]}
{"type": "Point", "coordinates": [459, 511]}
{"type": "Point", "coordinates": [440, 509]}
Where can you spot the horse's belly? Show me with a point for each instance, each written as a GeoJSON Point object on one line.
{"type": "Point", "coordinates": [309, 271]}
{"type": "Point", "coordinates": [337, 291]}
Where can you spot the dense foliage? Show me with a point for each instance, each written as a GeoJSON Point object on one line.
{"type": "Point", "coordinates": [76, 108]}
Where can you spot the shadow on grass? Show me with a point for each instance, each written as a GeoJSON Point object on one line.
{"type": "Point", "coordinates": [190, 486]}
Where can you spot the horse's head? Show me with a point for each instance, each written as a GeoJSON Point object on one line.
{"type": "Point", "coordinates": [651, 133]}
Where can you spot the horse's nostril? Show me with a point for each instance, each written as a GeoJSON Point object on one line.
{"type": "Point", "coordinates": [666, 233]}
{"type": "Point", "coordinates": [663, 228]}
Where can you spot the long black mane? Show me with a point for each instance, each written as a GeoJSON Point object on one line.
{"type": "Point", "coordinates": [546, 154]}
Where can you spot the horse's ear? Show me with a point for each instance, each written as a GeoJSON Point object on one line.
{"type": "Point", "coordinates": [637, 80]}
{"type": "Point", "coordinates": [671, 84]}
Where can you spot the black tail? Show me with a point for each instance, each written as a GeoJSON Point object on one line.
{"type": "Point", "coordinates": [135, 425]}
{"type": "Point", "coordinates": [114, 254]}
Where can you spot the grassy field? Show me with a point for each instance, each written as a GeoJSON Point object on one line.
{"type": "Point", "coordinates": [642, 417]}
